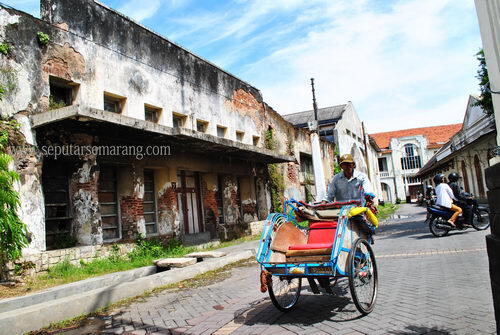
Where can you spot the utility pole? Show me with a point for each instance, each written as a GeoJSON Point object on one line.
{"type": "Point", "coordinates": [319, 175]}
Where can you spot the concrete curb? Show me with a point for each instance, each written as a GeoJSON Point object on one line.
{"type": "Point", "coordinates": [40, 315]}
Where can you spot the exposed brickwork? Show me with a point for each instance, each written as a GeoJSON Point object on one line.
{"type": "Point", "coordinates": [249, 208]}
{"type": "Point", "coordinates": [132, 210]}
{"type": "Point", "coordinates": [167, 211]}
{"type": "Point", "coordinates": [63, 62]}
{"type": "Point", "coordinates": [168, 200]}
{"type": "Point", "coordinates": [210, 201]}
{"type": "Point", "coordinates": [293, 173]}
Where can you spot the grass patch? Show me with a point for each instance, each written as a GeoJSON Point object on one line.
{"type": "Point", "coordinates": [387, 210]}
{"type": "Point", "coordinates": [145, 252]}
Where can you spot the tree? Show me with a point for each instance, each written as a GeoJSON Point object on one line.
{"type": "Point", "coordinates": [13, 232]}
{"type": "Point", "coordinates": [485, 101]}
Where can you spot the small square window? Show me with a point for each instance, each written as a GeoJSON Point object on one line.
{"type": "Point", "coordinates": [62, 92]}
{"type": "Point", "coordinates": [151, 113]}
{"type": "Point", "coordinates": [221, 131]}
{"type": "Point", "coordinates": [113, 103]}
{"type": "Point", "coordinates": [178, 120]}
{"type": "Point", "coordinates": [201, 126]}
{"type": "Point", "coordinates": [256, 140]}
{"type": "Point", "coordinates": [239, 136]}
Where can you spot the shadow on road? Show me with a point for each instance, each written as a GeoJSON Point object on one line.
{"type": "Point", "coordinates": [311, 309]}
{"type": "Point", "coordinates": [413, 330]}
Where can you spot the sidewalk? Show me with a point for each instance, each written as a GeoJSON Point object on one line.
{"type": "Point", "coordinates": [38, 310]}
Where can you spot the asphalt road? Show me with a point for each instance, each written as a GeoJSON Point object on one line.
{"type": "Point", "coordinates": [427, 285]}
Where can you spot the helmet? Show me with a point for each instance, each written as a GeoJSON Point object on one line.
{"type": "Point", "coordinates": [429, 187]}
{"type": "Point", "coordinates": [453, 176]}
{"type": "Point", "coordinates": [347, 158]}
{"type": "Point", "coordinates": [438, 179]}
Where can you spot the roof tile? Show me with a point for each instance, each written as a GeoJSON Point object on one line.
{"type": "Point", "coordinates": [436, 136]}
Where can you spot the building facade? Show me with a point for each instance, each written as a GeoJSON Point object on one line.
{"type": "Point", "coordinates": [341, 125]}
{"type": "Point", "coordinates": [403, 153]}
{"type": "Point", "coordinates": [468, 152]}
{"type": "Point", "coordinates": [125, 133]}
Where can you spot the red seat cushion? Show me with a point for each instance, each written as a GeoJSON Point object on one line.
{"type": "Point", "coordinates": [323, 224]}
{"type": "Point", "coordinates": [310, 246]}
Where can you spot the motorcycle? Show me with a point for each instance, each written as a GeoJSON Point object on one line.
{"type": "Point", "coordinates": [420, 199]}
{"type": "Point", "coordinates": [474, 215]}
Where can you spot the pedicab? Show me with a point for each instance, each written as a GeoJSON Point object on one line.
{"type": "Point", "coordinates": [320, 243]}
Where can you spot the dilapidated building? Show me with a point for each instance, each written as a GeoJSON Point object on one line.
{"type": "Point", "coordinates": [129, 134]}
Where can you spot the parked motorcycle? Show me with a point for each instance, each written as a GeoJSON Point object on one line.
{"type": "Point", "coordinates": [474, 215]}
{"type": "Point", "coordinates": [420, 199]}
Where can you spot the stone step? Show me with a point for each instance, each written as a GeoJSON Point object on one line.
{"type": "Point", "coordinates": [175, 262]}
{"type": "Point", "coordinates": [206, 254]}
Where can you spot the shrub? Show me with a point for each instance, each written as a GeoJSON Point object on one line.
{"type": "Point", "coordinates": [4, 48]}
{"type": "Point", "coordinates": [43, 38]}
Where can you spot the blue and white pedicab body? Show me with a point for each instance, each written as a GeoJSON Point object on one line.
{"type": "Point", "coordinates": [335, 247]}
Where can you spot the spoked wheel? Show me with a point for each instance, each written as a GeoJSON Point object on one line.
{"type": "Point", "coordinates": [363, 278]}
{"type": "Point", "coordinates": [284, 292]}
{"type": "Point", "coordinates": [481, 219]}
{"type": "Point", "coordinates": [436, 226]}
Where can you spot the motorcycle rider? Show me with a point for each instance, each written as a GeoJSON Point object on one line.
{"type": "Point", "coordinates": [429, 195]}
{"type": "Point", "coordinates": [459, 193]}
{"type": "Point", "coordinates": [445, 197]}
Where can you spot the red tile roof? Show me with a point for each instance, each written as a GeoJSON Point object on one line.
{"type": "Point", "coordinates": [436, 136]}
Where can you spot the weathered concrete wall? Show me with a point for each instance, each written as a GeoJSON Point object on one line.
{"type": "Point", "coordinates": [97, 50]}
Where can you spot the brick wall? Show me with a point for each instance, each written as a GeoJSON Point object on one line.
{"type": "Point", "coordinates": [132, 211]}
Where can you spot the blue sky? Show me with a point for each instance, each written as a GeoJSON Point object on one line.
{"type": "Point", "coordinates": [402, 63]}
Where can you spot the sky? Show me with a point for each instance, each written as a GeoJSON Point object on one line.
{"type": "Point", "coordinates": [402, 63]}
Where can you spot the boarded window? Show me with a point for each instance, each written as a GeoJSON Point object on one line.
{"type": "Point", "coordinates": [55, 178]}
{"type": "Point", "coordinates": [178, 120]}
{"type": "Point", "coordinates": [149, 202]}
{"type": "Point", "coordinates": [113, 103]}
{"type": "Point", "coordinates": [151, 114]}
{"type": "Point", "coordinates": [221, 131]}
{"type": "Point", "coordinates": [201, 126]}
{"type": "Point", "coordinates": [108, 202]}
{"type": "Point", "coordinates": [239, 136]}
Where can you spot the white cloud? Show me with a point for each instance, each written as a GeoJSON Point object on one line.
{"type": "Point", "coordinates": [406, 66]}
{"type": "Point", "coordinates": [147, 9]}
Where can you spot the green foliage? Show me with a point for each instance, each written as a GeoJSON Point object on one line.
{"type": "Point", "coordinates": [336, 165]}
{"type": "Point", "coordinates": [55, 104]}
{"type": "Point", "coordinates": [21, 268]}
{"type": "Point", "coordinates": [387, 210]}
{"type": "Point", "coordinates": [5, 48]}
{"type": "Point", "coordinates": [398, 201]}
{"type": "Point", "coordinates": [8, 81]}
{"type": "Point", "coordinates": [13, 232]}
{"type": "Point", "coordinates": [277, 187]}
{"type": "Point", "coordinates": [269, 140]}
{"type": "Point", "coordinates": [485, 100]}
{"type": "Point", "coordinates": [43, 38]}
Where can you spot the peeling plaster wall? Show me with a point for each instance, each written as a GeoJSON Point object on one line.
{"type": "Point", "coordinates": [87, 224]}
{"type": "Point", "coordinates": [125, 59]}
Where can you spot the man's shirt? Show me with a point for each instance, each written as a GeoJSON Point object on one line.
{"type": "Point", "coordinates": [457, 191]}
{"type": "Point", "coordinates": [444, 195]}
{"type": "Point", "coordinates": [343, 189]}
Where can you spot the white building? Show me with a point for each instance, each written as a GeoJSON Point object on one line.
{"type": "Point", "coordinates": [403, 153]}
{"type": "Point", "coordinates": [468, 152]}
{"type": "Point", "coordinates": [341, 125]}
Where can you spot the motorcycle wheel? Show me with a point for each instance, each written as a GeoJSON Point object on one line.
{"type": "Point", "coordinates": [480, 219]}
{"type": "Point", "coordinates": [436, 231]}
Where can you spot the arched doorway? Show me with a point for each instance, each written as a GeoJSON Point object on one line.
{"type": "Point", "coordinates": [386, 192]}
{"type": "Point", "coordinates": [479, 176]}
{"type": "Point", "coordinates": [465, 176]}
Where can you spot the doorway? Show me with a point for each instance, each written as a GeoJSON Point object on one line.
{"type": "Point", "coordinates": [188, 196]}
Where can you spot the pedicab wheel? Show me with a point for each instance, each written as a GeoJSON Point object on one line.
{"type": "Point", "coordinates": [481, 219]}
{"type": "Point", "coordinates": [363, 277]}
{"type": "Point", "coordinates": [284, 292]}
{"type": "Point", "coordinates": [435, 230]}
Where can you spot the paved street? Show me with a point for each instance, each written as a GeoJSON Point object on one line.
{"type": "Point", "coordinates": [427, 285]}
